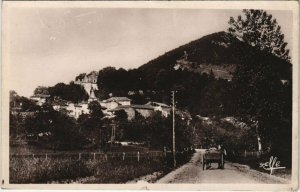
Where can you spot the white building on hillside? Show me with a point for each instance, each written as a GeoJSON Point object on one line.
{"type": "Point", "coordinates": [88, 81]}
{"type": "Point", "coordinates": [40, 99]}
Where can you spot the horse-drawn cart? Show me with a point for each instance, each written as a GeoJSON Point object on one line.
{"type": "Point", "coordinates": [213, 156]}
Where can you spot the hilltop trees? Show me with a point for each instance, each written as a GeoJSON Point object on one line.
{"type": "Point", "coordinates": [41, 90]}
{"type": "Point", "coordinates": [69, 92]}
{"type": "Point", "coordinates": [258, 29]}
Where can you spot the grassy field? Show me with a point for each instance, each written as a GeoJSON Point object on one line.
{"type": "Point", "coordinates": [39, 170]}
{"type": "Point", "coordinates": [118, 164]}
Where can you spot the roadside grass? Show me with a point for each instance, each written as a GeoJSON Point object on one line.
{"type": "Point", "coordinates": [62, 169]}
{"type": "Point", "coordinates": [39, 170]}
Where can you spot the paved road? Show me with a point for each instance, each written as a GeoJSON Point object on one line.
{"type": "Point", "coordinates": [232, 173]}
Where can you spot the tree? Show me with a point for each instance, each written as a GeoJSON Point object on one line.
{"type": "Point", "coordinates": [70, 92]}
{"type": "Point", "coordinates": [91, 125]}
{"type": "Point", "coordinates": [258, 29]}
{"type": "Point", "coordinates": [262, 100]}
{"type": "Point", "coordinates": [41, 90]}
{"type": "Point", "coordinates": [23, 103]}
{"type": "Point", "coordinates": [54, 129]}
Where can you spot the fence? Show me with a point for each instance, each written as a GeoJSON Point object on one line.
{"type": "Point", "coordinates": [96, 156]}
{"type": "Point", "coordinates": [252, 154]}
{"type": "Point", "coordinates": [245, 155]}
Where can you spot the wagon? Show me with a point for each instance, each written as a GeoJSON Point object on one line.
{"type": "Point", "coordinates": [213, 156]}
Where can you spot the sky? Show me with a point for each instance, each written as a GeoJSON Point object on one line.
{"type": "Point", "coordinates": [52, 45]}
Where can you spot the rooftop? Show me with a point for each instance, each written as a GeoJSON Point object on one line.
{"type": "Point", "coordinates": [116, 99]}
{"type": "Point", "coordinates": [40, 96]}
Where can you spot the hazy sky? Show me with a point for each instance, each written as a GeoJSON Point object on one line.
{"type": "Point", "coordinates": [51, 45]}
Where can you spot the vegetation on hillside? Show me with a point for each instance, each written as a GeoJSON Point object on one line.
{"type": "Point", "coordinates": [258, 29]}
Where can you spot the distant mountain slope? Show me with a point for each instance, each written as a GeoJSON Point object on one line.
{"type": "Point", "coordinates": [217, 52]}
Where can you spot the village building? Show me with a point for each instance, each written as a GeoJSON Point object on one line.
{"type": "Point", "coordinates": [114, 102]}
{"type": "Point", "coordinates": [146, 110]}
{"type": "Point", "coordinates": [88, 81]}
{"type": "Point", "coordinates": [92, 96]}
{"type": "Point", "coordinates": [40, 99]}
{"type": "Point", "coordinates": [75, 110]}
{"type": "Point", "coordinates": [71, 109]}
{"type": "Point", "coordinates": [161, 107]}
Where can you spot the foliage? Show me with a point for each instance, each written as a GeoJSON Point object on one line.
{"type": "Point", "coordinates": [156, 131]}
{"type": "Point", "coordinates": [53, 129]}
{"type": "Point", "coordinates": [264, 102]}
{"type": "Point", "coordinates": [16, 126]}
{"type": "Point", "coordinates": [21, 102]}
{"type": "Point", "coordinates": [80, 76]}
{"type": "Point", "coordinates": [39, 170]}
{"type": "Point", "coordinates": [233, 139]}
{"type": "Point", "coordinates": [91, 125]}
{"type": "Point", "coordinates": [41, 90]}
{"type": "Point", "coordinates": [258, 29]}
{"type": "Point", "coordinates": [68, 92]}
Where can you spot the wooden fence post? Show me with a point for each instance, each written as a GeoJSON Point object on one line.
{"type": "Point", "coordinates": [106, 157]}
{"type": "Point", "coordinates": [32, 155]}
{"type": "Point", "coordinates": [245, 153]}
{"type": "Point", "coordinates": [94, 156]}
{"type": "Point", "coordinates": [138, 156]}
{"type": "Point", "coordinates": [123, 156]}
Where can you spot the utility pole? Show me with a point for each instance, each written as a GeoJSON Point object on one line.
{"type": "Point", "coordinates": [173, 110]}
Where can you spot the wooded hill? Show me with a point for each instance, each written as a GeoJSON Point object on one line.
{"type": "Point", "coordinates": [217, 51]}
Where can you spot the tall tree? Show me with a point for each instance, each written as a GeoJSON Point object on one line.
{"type": "Point", "coordinates": [261, 99]}
{"type": "Point", "coordinates": [258, 29]}
{"type": "Point", "coordinates": [92, 124]}
{"type": "Point", "coordinates": [41, 90]}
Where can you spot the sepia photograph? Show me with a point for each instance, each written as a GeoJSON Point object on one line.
{"type": "Point", "coordinates": [144, 94]}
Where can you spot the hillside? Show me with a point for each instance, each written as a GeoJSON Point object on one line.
{"type": "Point", "coordinates": [217, 52]}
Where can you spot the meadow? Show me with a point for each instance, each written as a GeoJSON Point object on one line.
{"type": "Point", "coordinates": [115, 167]}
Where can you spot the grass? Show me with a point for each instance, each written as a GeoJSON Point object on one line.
{"type": "Point", "coordinates": [37, 170]}
{"type": "Point", "coordinates": [41, 170]}
{"type": "Point", "coordinates": [65, 166]}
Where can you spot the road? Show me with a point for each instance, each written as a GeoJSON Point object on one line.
{"type": "Point", "coordinates": [232, 173]}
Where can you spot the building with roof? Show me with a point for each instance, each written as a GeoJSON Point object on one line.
{"type": "Point", "coordinates": [161, 107]}
{"type": "Point", "coordinates": [71, 109]}
{"type": "Point", "coordinates": [40, 99]}
{"type": "Point", "coordinates": [88, 81]}
{"type": "Point", "coordinates": [145, 110]}
{"type": "Point", "coordinates": [92, 96]}
{"type": "Point", "coordinates": [114, 102]}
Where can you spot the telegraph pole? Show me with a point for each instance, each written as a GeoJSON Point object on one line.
{"type": "Point", "coordinates": [173, 110]}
